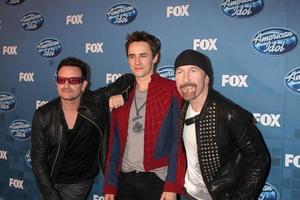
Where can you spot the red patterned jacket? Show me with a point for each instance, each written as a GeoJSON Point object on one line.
{"type": "Point", "coordinates": [162, 146]}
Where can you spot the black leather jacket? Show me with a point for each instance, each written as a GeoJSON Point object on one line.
{"type": "Point", "coordinates": [47, 149]}
{"type": "Point", "coordinates": [233, 157]}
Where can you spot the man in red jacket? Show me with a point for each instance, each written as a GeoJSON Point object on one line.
{"type": "Point", "coordinates": [145, 157]}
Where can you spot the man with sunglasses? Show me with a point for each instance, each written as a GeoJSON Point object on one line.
{"type": "Point", "coordinates": [70, 133]}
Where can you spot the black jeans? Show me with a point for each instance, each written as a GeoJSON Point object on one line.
{"type": "Point", "coordinates": [139, 185]}
{"type": "Point", "coordinates": [187, 196]}
{"type": "Point", "coordinates": [76, 191]}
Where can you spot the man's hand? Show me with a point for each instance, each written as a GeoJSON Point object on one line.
{"type": "Point", "coordinates": [109, 197]}
{"type": "Point", "coordinates": [115, 101]}
{"type": "Point", "coordinates": [168, 196]}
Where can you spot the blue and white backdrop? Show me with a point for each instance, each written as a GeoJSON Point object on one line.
{"type": "Point", "coordinates": [253, 45]}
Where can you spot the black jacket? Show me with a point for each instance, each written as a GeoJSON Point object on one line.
{"type": "Point", "coordinates": [47, 147]}
{"type": "Point", "coordinates": [233, 157]}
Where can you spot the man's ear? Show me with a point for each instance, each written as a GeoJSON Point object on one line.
{"type": "Point", "coordinates": [155, 59]}
{"type": "Point", "coordinates": [84, 85]}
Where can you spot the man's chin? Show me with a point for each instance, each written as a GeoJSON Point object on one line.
{"type": "Point", "coordinates": [188, 96]}
{"type": "Point", "coordinates": [68, 98]}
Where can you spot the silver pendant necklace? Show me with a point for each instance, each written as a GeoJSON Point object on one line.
{"type": "Point", "coordinates": [138, 125]}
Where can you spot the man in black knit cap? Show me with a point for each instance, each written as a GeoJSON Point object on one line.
{"type": "Point", "coordinates": [226, 155]}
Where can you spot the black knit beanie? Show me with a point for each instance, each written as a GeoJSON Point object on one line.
{"type": "Point", "coordinates": [192, 57]}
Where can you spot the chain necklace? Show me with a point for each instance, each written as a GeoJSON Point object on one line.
{"type": "Point", "coordinates": [138, 125]}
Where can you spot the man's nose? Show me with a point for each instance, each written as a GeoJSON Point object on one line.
{"type": "Point", "coordinates": [186, 77]}
{"type": "Point", "coordinates": [66, 83]}
{"type": "Point", "coordinates": [137, 60]}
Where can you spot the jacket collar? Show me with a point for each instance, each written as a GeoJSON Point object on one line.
{"type": "Point", "coordinates": [186, 103]}
{"type": "Point", "coordinates": [154, 77]}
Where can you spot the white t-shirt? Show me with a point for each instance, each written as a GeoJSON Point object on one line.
{"type": "Point", "coordinates": [194, 183]}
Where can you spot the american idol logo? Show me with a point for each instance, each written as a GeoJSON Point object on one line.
{"type": "Point", "coordinates": [121, 14]}
{"type": "Point", "coordinates": [13, 2]}
{"type": "Point", "coordinates": [7, 101]}
{"type": "Point", "coordinates": [32, 21]}
{"type": "Point", "coordinates": [20, 129]}
{"type": "Point", "coordinates": [28, 159]}
{"type": "Point", "coordinates": [242, 8]}
{"type": "Point", "coordinates": [275, 41]}
{"type": "Point", "coordinates": [49, 47]}
{"type": "Point", "coordinates": [166, 71]}
{"type": "Point", "coordinates": [292, 80]}
{"type": "Point", "coordinates": [269, 192]}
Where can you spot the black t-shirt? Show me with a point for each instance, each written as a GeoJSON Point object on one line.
{"type": "Point", "coordinates": [80, 162]}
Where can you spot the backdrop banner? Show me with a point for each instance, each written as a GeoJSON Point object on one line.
{"type": "Point", "coordinates": [253, 46]}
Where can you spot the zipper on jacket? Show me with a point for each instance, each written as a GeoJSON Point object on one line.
{"type": "Point", "coordinates": [101, 142]}
{"type": "Point", "coordinates": [58, 150]}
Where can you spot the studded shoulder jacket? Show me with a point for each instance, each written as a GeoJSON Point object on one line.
{"type": "Point", "coordinates": [233, 158]}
